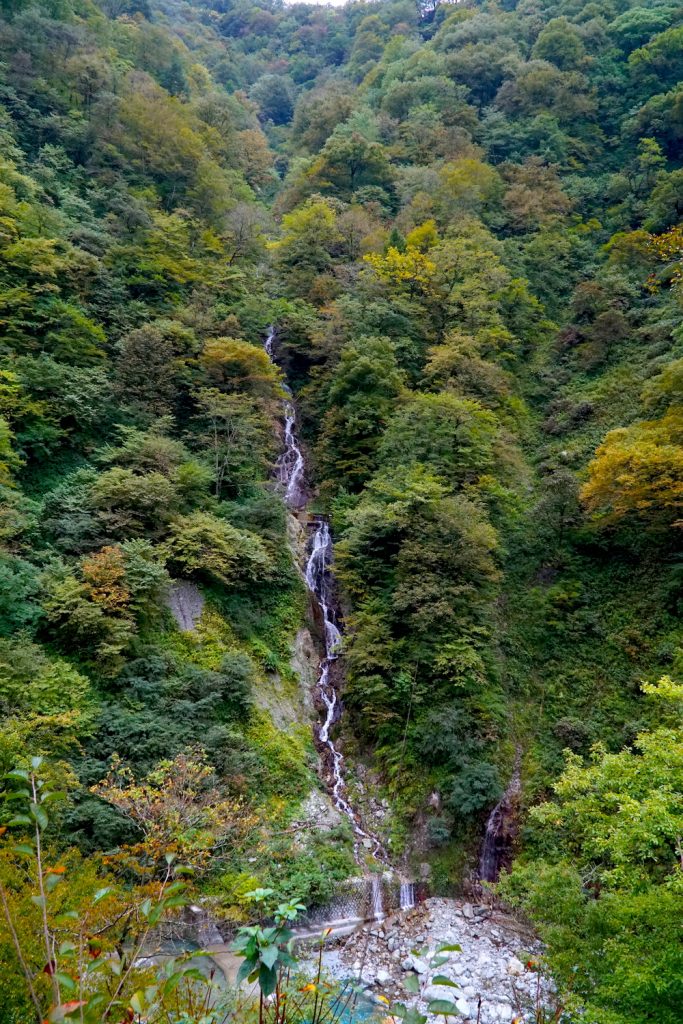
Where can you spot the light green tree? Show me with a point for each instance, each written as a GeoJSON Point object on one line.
{"type": "Point", "coordinates": [604, 879]}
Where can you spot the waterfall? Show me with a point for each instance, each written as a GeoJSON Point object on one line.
{"type": "Point", "coordinates": [407, 895]}
{"type": "Point", "coordinates": [377, 898]}
{"type": "Point", "coordinates": [319, 582]}
{"type": "Point", "coordinates": [290, 466]}
{"type": "Point", "coordinates": [501, 829]}
{"type": "Point", "coordinates": [290, 472]}
{"type": "Point", "coordinates": [291, 463]}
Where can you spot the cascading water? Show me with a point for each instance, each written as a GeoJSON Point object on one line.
{"type": "Point", "coordinates": [291, 473]}
{"type": "Point", "coordinates": [290, 466]}
{"type": "Point", "coordinates": [319, 582]}
{"type": "Point", "coordinates": [407, 895]}
{"type": "Point", "coordinates": [377, 898]}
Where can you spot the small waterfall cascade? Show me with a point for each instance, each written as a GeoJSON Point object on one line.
{"type": "Point", "coordinates": [407, 895]}
{"type": "Point", "coordinates": [290, 466]}
{"type": "Point", "coordinates": [501, 829]}
{"type": "Point", "coordinates": [291, 469]}
{"type": "Point", "coordinates": [319, 582]}
{"type": "Point", "coordinates": [377, 898]}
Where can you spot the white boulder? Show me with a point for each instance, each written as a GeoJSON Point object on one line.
{"type": "Point", "coordinates": [515, 968]}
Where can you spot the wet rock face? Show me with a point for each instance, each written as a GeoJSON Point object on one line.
{"type": "Point", "coordinates": [494, 971]}
{"type": "Point", "coordinates": [502, 830]}
{"type": "Point", "coordinates": [186, 604]}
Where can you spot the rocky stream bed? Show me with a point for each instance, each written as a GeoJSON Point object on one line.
{"type": "Point", "coordinates": [495, 970]}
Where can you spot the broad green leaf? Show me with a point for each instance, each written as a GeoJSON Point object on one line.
{"type": "Point", "coordinates": [53, 795]}
{"type": "Point", "coordinates": [137, 1002]}
{"type": "Point", "coordinates": [411, 983]}
{"type": "Point", "coordinates": [195, 974]}
{"type": "Point", "coordinates": [38, 815]}
{"type": "Point", "coordinates": [258, 895]}
{"type": "Point", "coordinates": [269, 955]}
{"type": "Point", "coordinates": [171, 984]}
{"type": "Point", "coordinates": [96, 965]}
{"type": "Point", "coordinates": [245, 969]}
{"type": "Point", "coordinates": [441, 979]}
{"type": "Point", "coordinates": [101, 893]}
{"type": "Point", "coordinates": [443, 1006]}
{"type": "Point", "coordinates": [267, 979]}
{"type": "Point", "coordinates": [175, 887]}
{"type": "Point", "coordinates": [66, 916]}
{"type": "Point", "coordinates": [413, 1016]}
{"type": "Point", "coordinates": [28, 851]}
{"type": "Point", "coordinates": [174, 901]}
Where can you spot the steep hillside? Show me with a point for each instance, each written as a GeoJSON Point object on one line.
{"type": "Point", "coordinates": [138, 433]}
{"type": "Point", "coordinates": [465, 222]}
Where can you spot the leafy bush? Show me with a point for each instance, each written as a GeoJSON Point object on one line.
{"type": "Point", "coordinates": [201, 543]}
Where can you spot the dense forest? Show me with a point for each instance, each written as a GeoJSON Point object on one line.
{"type": "Point", "coordinates": [465, 221]}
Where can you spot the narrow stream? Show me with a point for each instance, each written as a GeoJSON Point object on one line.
{"type": "Point", "coordinates": [291, 471]}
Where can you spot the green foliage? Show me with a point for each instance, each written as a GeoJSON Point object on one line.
{"type": "Point", "coordinates": [312, 872]}
{"type": "Point", "coordinates": [19, 590]}
{"type": "Point", "coordinates": [452, 435]}
{"type": "Point", "coordinates": [267, 951]}
{"type": "Point", "coordinates": [70, 945]}
{"type": "Point", "coordinates": [608, 848]}
{"type": "Point", "coordinates": [136, 417]}
{"type": "Point", "coordinates": [268, 959]}
{"type": "Point", "coordinates": [638, 471]}
{"type": "Point", "coordinates": [363, 391]}
{"type": "Point", "coordinates": [201, 543]}
{"type": "Point", "coordinates": [305, 251]}
{"type": "Point", "coordinates": [474, 263]}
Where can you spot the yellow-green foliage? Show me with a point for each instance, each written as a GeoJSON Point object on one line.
{"type": "Point", "coordinates": [288, 755]}
{"type": "Point", "coordinates": [639, 471]}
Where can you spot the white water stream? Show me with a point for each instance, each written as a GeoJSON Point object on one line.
{"type": "Point", "coordinates": [377, 898]}
{"type": "Point", "coordinates": [407, 896]}
{"type": "Point", "coordinates": [291, 475]}
{"type": "Point", "coordinates": [290, 465]}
